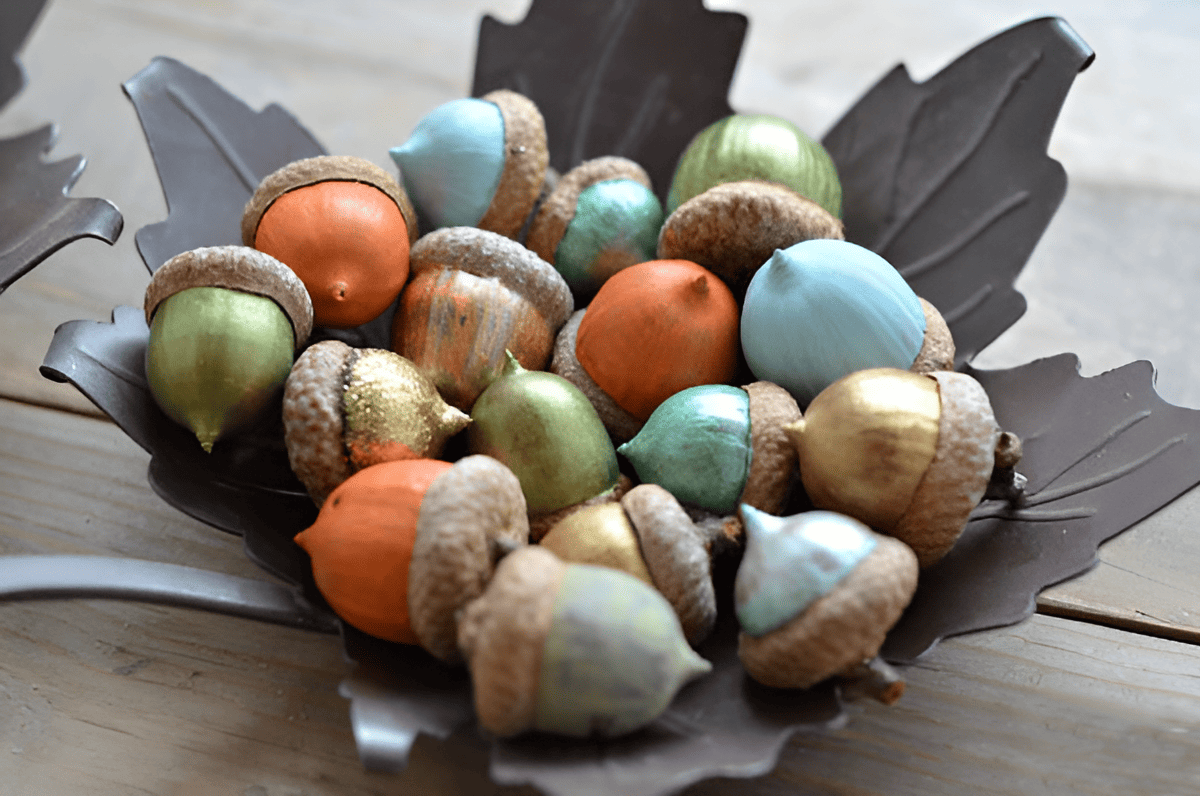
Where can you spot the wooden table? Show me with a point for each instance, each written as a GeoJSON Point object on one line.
{"type": "Point", "coordinates": [1099, 692]}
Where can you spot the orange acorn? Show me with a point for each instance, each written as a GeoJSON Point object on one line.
{"type": "Point", "coordinates": [344, 225]}
{"type": "Point", "coordinates": [653, 329]}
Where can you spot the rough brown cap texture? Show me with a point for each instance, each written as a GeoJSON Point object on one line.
{"type": "Point", "coordinates": [937, 349]}
{"type": "Point", "coordinates": [323, 168]}
{"type": "Point", "coordinates": [314, 418]}
{"type": "Point", "coordinates": [774, 463]}
{"type": "Point", "coordinates": [235, 268]}
{"type": "Point", "coordinates": [525, 160]}
{"type": "Point", "coordinates": [621, 425]}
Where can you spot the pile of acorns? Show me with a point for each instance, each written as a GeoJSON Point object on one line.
{"type": "Point", "coordinates": [576, 593]}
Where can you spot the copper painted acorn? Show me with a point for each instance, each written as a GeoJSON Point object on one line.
{"type": "Point", "coordinates": [653, 329]}
{"type": "Point", "coordinates": [572, 649]}
{"type": "Point", "coordinates": [400, 547]}
{"type": "Point", "coordinates": [224, 322]}
{"type": "Point", "coordinates": [348, 408]}
{"type": "Point", "coordinates": [716, 446]}
{"type": "Point", "coordinates": [815, 596]}
{"type": "Point", "coordinates": [649, 536]}
{"type": "Point", "coordinates": [344, 225]}
{"type": "Point", "coordinates": [938, 435]}
{"type": "Point", "coordinates": [474, 295]}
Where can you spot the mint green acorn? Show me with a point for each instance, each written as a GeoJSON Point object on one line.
{"type": "Point", "coordinates": [546, 431]}
{"type": "Point", "coordinates": [756, 147]}
{"type": "Point", "coordinates": [574, 649]}
{"type": "Point", "coordinates": [225, 322]}
{"type": "Point", "coordinates": [714, 446]}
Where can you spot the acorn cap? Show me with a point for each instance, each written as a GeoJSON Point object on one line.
{"type": "Point", "coordinates": [839, 630]}
{"type": "Point", "coordinates": [235, 268]}
{"type": "Point", "coordinates": [621, 425]}
{"type": "Point", "coordinates": [676, 555]}
{"type": "Point", "coordinates": [471, 516]}
{"type": "Point", "coordinates": [313, 420]}
{"type": "Point", "coordinates": [324, 168]}
{"type": "Point", "coordinates": [774, 463]}
{"type": "Point", "coordinates": [492, 256]}
{"type": "Point", "coordinates": [957, 477]}
{"type": "Point", "coordinates": [557, 211]}
{"type": "Point", "coordinates": [525, 160]}
{"type": "Point", "coordinates": [733, 228]}
{"type": "Point", "coordinates": [502, 634]}
{"type": "Point", "coordinates": [937, 349]}
{"type": "Point", "coordinates": [540, 524]}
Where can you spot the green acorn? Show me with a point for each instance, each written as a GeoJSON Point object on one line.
{"type": "Point", "coordinates": [225, 323]}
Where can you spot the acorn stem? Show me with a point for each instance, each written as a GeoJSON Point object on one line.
{"type": "Point", "coordinates": [718, 534]}
{"type": "Point", "coordinates": [1006, 483]}
{"type": "Point", "coordinates": [873, 678]}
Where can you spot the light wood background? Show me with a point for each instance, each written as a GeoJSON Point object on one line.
{"type": "Point", "coordinates": [1098, 693]}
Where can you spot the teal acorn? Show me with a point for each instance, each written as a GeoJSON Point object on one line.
{"type": "Point", "coordinates": [815, 595]}
{"type": "Point", "coordinates": [546, 431]}
{"type": "Point", "coordinates": [574, 649]}
{"type": "Point", "coordinates": [822, 309]}
{"type": "Point", "coordinates": [715, 446]}
{"type": "Point", "coordinates": [224, 323]}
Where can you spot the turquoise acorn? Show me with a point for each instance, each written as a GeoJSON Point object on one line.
{"type": "Point", "coordinates": [715, 446]}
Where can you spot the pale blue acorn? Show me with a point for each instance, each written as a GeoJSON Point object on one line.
{"type": "Point", "coordinates": [574, 649]}
{"type": "Point", "coordinates": [815, 595]}
{"type": "Point", "coordinates": [715, 446]}
{"type": "Point", "coordinates": [822, 309]}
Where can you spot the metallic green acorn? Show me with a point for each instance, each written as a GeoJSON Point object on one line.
{"type": "Point", "coordinates": [756, 147]}
{"type": "Point", "coordinates": [224, 325]}
{"type": "Point", "coordinates": [697, 446]}
{"type": "Point", "coordinates": [547, 432]}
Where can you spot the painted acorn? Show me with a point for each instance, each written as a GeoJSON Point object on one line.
{"type": "Point", "coordinates": [815, 595]}
{"type": "Point", "coordinates": [601, 217]}
{"type": "Point", "coordinates": [476, 163]}
{"type": "Point", "coordinates": [938, 435]}
{"type": "Point", "coordinates": [572, 649]}
{"type": "Point", "coordinates": [653, 329]}
{"type": "Point", "coordinates": [473, 296]}
{"type": "Point", "coordinates": [716, 446]}
{"type": "Point", "coordinates": [756, 147]}
{"type": "Point", "coordinates": [546, 431]}
{"type": "Point", "coordinates": [821, 309]}
{"type": "Point", "coordinates": [224, 322]}
{"type": "Point", "coordinates": [344, 225]}
{"type": "Point", "coordinates": [379, 557]}
{"type": "Point", "coordinates": [649, 536]}
{"type": "Point", "coordinates": [348, 408]}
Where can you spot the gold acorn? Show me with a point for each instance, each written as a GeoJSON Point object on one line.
{"type": "Point", "coordinates": [346, 408]}
{"type": "Point", "coordinates": [909, 454]}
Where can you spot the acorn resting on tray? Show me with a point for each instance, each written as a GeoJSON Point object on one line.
{"type": "Point", "coordinates": [816, 594]}
{"type": "Point", "coordinates": [224, 322]}
{"type": "Point", "coordinates": [938, 435]}
{"type": "Point", "coordinates": [573, 649]}
{"type": "Point", "coordinates": [348, 408]}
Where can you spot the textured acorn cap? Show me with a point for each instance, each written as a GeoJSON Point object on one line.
{"type": "Point", "coordinates": [733, 228]}
{"type": "Point", "coordinates": [676, 555]}
{"type": "Point", "coordinates": [313, 420]}
{"type": "Point", "coordinates": [502, 635]}
{"type": "Point", "coordinates": [526, 157]}
{"type": "Point", "coordinates": [958, 476]}
{"type": "Point", "coordinates": [540, 524]}
{"type": "Point", "coordinates": [323, 168]}
{"type": "Point", "coordinates": [471, 516]}
{"type": "Point", "coordinates": [493, 256]}
{"type": "Point", "coordinates": [235, 268]}
{"type": "Point", "coordinates": [774, 464]}
{"type": "Point", "coordinates": [839, 630]}
{"type": "Point", "coordinates": [621, 425]}
{"type": "Point", "coordinates": [558, 210]}
{"type": "Point", "coordinates": [937, 349]}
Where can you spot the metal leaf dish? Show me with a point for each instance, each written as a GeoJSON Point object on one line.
{"type": "Point", "coordinates": [949, 179]}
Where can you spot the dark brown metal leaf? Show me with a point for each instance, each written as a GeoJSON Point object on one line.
{"type": "Point", "coordinates": [949, 179]}
{"type": "Point", "coordinates": [17, 19]}
{"type": "Point", "coordinates": [636, 78]}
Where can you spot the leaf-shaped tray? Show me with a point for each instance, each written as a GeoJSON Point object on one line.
{"type": "Point", "coordinates": [1101, 453]}
{"type": "Point", "coordinates": [37, 218]}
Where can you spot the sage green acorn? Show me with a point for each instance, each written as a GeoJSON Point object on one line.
{"type": "Point", "coordinates": [547, 432]}
{"type": "Point", "coordinates": [225, 323]}
{"type": "Point", "coordinates": [573, 649]}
